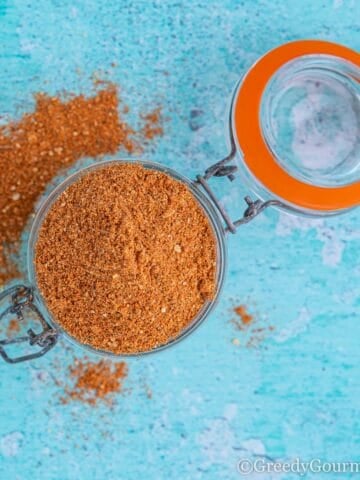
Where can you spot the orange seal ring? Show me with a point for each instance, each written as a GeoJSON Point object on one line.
{"type": "Point", "coordinates": [256, 153]}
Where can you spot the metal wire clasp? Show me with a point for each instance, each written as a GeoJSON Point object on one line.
{"type": "Point", "coordinates": [21, 298]}
{"type": "Point", "coordinates": [221, 169]}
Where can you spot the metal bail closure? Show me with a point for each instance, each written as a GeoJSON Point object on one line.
{"type": "Point", "coordinates": [19, 302]}
{"type": "Point", "coordinates": [296, 122]}
{"type": "Point", "coordinates": [226, 168]}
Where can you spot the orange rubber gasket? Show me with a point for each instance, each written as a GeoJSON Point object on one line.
{"type": "Point", "coordinates": [257, 155]}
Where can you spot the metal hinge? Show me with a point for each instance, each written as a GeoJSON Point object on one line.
{"type": "Point", "coordinates": [254, 207]}
{"type": "Point", "coordinates": [21, 298]}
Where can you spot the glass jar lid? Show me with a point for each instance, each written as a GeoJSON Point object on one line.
{"type": "Point", "coordinates": [296, 120]}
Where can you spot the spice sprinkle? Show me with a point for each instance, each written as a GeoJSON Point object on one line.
{"type": "Point", "coordinates": [60, 131]}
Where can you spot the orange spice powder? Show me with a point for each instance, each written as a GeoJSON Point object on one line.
{"type": "Point", "coordinates": [13, 328]}
{"type": "Point", "coordinates": [243, 315]}
{"type": "Point", "coordinates": [153, 127]}
{"type": "Point", "coordinates": [126, 258]}
{"type": "Point", "coordinates": [36, 148]}
{"type": "Point", "coordinates": [94, 382]}
{"type": "Point", "coordinates": [254, 329]}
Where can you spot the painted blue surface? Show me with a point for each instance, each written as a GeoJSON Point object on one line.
{"type": "Point", "coordinates": [293, 394]}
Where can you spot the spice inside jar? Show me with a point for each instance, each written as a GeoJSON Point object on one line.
{"type": "Point", "coordinates": [126, 258]}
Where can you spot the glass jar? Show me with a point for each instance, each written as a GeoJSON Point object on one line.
{"type": "Point", "coordinates": [294, 128]}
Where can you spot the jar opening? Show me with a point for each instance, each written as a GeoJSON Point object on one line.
{"type": "Point", "coordinates": [310, 119]}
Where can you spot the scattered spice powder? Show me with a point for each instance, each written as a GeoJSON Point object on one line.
{"type": "Point", "coordinates": [95, 381]}
{"type": "Point", "coordinates": [152, 127]}
{"type": "Point", "coordinates": [243, 314]}
{"type": "Point", "coordinates": [254, 330]}
{"type": "Point", "coordinates": [13, 328]}
{"type": "Point", "coordinates": [59, 132]}
{"type": "Point", "coordinates": [126, 258]}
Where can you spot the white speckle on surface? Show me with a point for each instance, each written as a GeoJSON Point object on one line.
{"type": "Point", "coordinates": [191, 401]}
{"type": "Point", "coordinates": [288, 223]}
{"type": "Point", "coordinates": [27, 46]}
{"type": "Point", "coordinates": [338, 3]}
{"type": "Point", "coordinates": [333, 246]}
{"type": "Point", "coordinates": [254, 446]}
{"type": "Point", "coordinates": [230, 411]}
{"type": "Point", "coordinates": [46, 451]}
{"type": "Point", "coordinates": [10, 444]}
{"type": "Point", "coordinates": [333, 239]}
{"type": "Point", "coordinates": [296, 327]}
{"type": "Point", "coordinates": [217, 442]}
{"type": "Point", "coordinates": [326, 417]}
{"type": "Point", "coordinates": [39, 380]}
{"type": "Point", "coordinates": [74, 12]}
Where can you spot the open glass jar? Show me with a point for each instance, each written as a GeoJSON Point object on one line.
{"type": "Point", "coordinates": [295, 140]}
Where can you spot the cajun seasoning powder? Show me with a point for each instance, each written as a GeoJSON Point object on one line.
{"type": "Point", "coordinates": [243, 315]}
{"type": "Point", "coordinates": [53, 137]}
{"type": "Point", "coordinates": [95, 381]}
{"type": "Point", "coordinates": [125, 258]}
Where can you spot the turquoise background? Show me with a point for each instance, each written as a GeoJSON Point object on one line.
{"type": "Point", "coordinates": [295, 393]}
